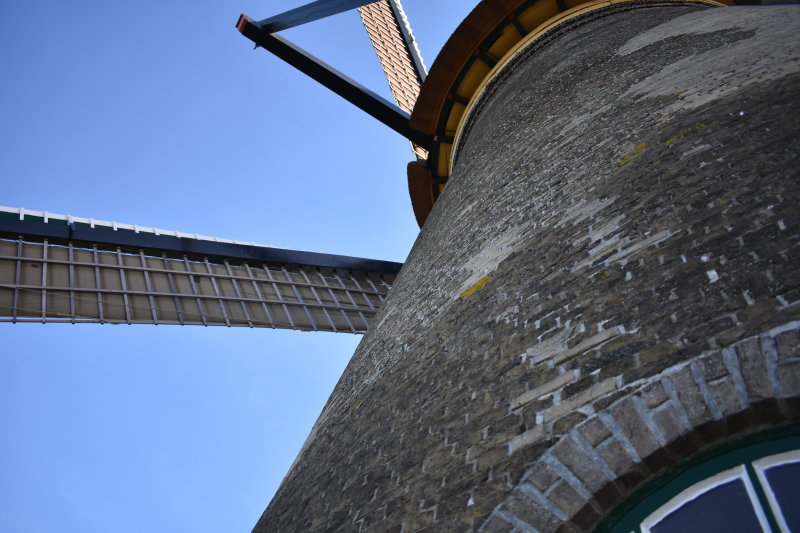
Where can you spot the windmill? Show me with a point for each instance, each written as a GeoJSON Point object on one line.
{"type": "Point", "coordinates": [439, 417]}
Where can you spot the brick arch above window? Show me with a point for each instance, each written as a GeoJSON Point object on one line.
{"type": "Point", "coordinates": [653, 425]}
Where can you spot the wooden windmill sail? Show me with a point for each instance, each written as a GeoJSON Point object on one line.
{"type": "Point", "coordinates": [60, 268]}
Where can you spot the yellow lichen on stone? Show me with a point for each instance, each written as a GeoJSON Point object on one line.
{"type": "Point", "coordinates": [684, 133]}
{"type": "Point", "coordinates": [603, 274]}
{"type": "Point", "coordinates": [472, 289]}
{"type": "Point", "coordinates": [624, 159]}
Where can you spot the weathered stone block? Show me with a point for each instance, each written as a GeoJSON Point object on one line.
{"type": "Point", "coordinates": [594, 431]}
{"type": "Point", "coordinates": [541, 477]}
{"type": "Point", "coordinates": [670, 423]}
{"type": "Point", "coordinates": [654, 395]}
{"type": "Point", "coordinates": [690, 396]}
{"type": "Point", "coordinates": [712, 366]}
{"type": "Point", "coordinates": [531, 512]}
{"type": "Point", "coordinates": [726, 396]}
{"type": "Point", "coordinates": [655, 359]}
{"type": "Point", "coordinates": [619, 459]}
{"type": "Point", "coordinates": [753, 366]}
{"type": "Point", "coordinates": [564, 424]}
{"type": "Point", "coordinates": [595, 391]}
{"type": "Point", "coordinates": [634, 427]}
{"type": "Point", "coordinates": [532, 436]}
{"type": "Point", "coordinates": [759, 314]}
{"type": "Point", "coordinates": [566, 498]}
{"type": "Point", "coordinates": [789, 378]}
{"type": "Point", "coordinates": [602, 403]}
{"type": "Point", "coordinates": [577, 386]}
{"type": "Point", "coordinates": [531, 412]}
{"type": "Point", "coordinates": [492, 457]}
{"type": "Point", "coordinates": [496, 524]}
{"type": "Point", "coordinates": [554, 382]}
{"type": "Point", "coordinates": [587, 467]}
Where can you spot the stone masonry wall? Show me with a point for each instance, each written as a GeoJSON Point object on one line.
{"type": "Point", "coordinates": [608, 283]}
{"type": "Point", "coordinates": [648, 425]}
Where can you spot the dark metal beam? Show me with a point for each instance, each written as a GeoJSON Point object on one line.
{"type": "Point", "coordinates": [347, 88]}
{"type": "Point", "coordinates": [178, 246]}
{"type": "Point", "coordinates": [309, 13]}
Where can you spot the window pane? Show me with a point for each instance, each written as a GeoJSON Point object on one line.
{"type": "Point", "coordinates": [785, 483]}
{"type": "Point", "coordinates": [723, 509]}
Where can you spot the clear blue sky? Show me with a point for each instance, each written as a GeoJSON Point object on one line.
{"type": "Point", "coordinates": [161, 114]}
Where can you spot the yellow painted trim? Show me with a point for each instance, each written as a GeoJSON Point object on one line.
{"type": "Point", "coordinates": [475, 287]}
{"type": "Point", "coordinates": [461, 113]}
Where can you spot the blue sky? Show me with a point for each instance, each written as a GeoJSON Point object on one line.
{"type": "Point", "coordinates": [161, 114]}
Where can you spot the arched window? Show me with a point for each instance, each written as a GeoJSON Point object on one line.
{"type": "Point", "coordinates": [750, 485]}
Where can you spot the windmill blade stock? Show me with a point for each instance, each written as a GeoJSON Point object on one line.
{"type": "Point", "coordinates": [56, 268]}
{"type": "Point", "coordinates": [393, 41]}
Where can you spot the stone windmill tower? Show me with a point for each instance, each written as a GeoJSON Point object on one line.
{"type": "Point", "coordinates": [598, 327]}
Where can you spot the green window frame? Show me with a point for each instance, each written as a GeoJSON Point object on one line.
{"type": "Point", "coordinates": [746, 459]}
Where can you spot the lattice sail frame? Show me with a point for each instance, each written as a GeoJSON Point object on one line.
{"type": "Point", "coordinates": [62, 281]}
{"type": "Point", "coordinates": [66, 281]}
{"type": "Point", "coordinates": [390, 34]}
